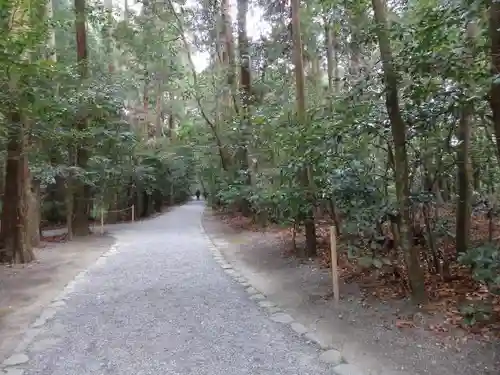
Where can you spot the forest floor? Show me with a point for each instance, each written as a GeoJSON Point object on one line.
{"type": "Point", "coordinates": [26, 289]}
{"type": "Point", "coordinates": [386, 335]}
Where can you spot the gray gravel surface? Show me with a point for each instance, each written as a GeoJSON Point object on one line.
{"type": "Point", "coordinates": [162, 305]}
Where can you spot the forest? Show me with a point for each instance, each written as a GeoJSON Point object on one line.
{"type": "Point", "coordinates": [380, 119]}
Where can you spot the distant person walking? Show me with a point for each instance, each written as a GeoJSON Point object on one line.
{"type": "Point", "coordinates": [197, 194]}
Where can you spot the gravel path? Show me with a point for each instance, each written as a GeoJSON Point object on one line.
{"type": "Point", "coordinates": [161, 305]}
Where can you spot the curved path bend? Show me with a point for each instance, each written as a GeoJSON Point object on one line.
{"type": "Point", "coordinates": [161, 305]}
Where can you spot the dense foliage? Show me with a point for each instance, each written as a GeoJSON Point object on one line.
{"type": "Point", "coordinates": [79, 139]}
{"type": "Point", "coordinates": [382, 119]}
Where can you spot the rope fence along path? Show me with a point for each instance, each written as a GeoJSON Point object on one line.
{"type": "Point", "coordinates": [104, 213]}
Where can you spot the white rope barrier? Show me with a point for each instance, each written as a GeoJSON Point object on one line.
{"type": "Point", "coordinates": [117, 211]}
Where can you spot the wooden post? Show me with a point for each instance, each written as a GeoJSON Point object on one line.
{"type": "Point", "coordinates": [102, 221]}
{"type": "Point", "coordinates": [335, 274]}
{"type": "Point", "coordinates": [133, 213]}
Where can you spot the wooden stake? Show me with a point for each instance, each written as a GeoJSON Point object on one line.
{"type": "Point", "coordinates": [102, 221]}
{"type": "Point", "coordinates": [133, 213]}
{"type": "Point", "coordinates": [335, 273]}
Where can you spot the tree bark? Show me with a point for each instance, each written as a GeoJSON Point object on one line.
{"type": "Point", "coordinates": [464, 167]}
{"type": "Point", "coordinates": [108, 5]}
{"type": "Point", "coordinates": [401, 173]}
{"type": "Point", "coordinates": [229, 55]}
{"type": "Point", "coordinates": [494, 31]}
{"type": "Point", "coordinates": [245, 93]}
{"type": "Point", "coordinates": [356, 20]}
{"type": "Point", "coordinates": [14, 213]}
{"type": "Point", "coordinates": [51, 41]}
{"type": "Point", "coordinates": [81, 191]}
{"type": "Point", "coordinates": [329, 52]}
{"type": "Point", "coordinates": [34, 215]}
{"type": "Point", "coordinates": [304, 178]}
{"type": "Point", "coordinates": [464, 183]}
{"type": "Point", "coordinates": [159, 107]}
{"type": "Point", "coordinates": [171, 126]}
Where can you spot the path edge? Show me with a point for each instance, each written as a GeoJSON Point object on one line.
{"type": "Point", "coordinates": [328, 354]}
{"type": "Point", "coordinates": [18, 356]}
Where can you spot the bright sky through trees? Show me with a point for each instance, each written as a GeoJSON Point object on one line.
{"type": "Point", "coordinates": [256, 27]}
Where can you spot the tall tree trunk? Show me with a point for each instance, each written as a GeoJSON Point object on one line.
{"type": "Point", "coordinates": [245, 61]}
{"type": "Point", "coordinates": [464, 181]}
{"type": "Point", "coordinates": [159, 108]}
{"type": "Point", "coordinates": [332, 58]}
{"type": "Point", "coordinates": [145, 102]}
{"type": "Point", "coordinates": [329, 52]}
{"type": "Point", "coordinates": [218, 64]}
{"type": "Point", "coordinates": [464, 163]}
{"type": "Point", "coordinates": [108, 5]}
{"type": "Point", "coordinates": [245, 93]}
{"type": "Point", "coordinates": [34, 214]}
{"type": "Point", "coordinates": [81, 191]}
{"type": "Point", "coordinates": [229, 55]}
{"type": "Point", "coordinates": [304, 178]}
{"type": "Point", "coordinates": [336, 70]}
{"type": "Point", "coordinates": [126, 14]}
{"type": "Point", "coordinates": [51, 42]}
{"type": "Point", "coordinates": [398, 127]}
{"type": "Point", "coordinates": [14, 213]}
{"type": "Point", "coordinates": [356, 20]}
{"type": "Point", "coordinates": [494, 30]}
{"type": "Point", "coordinates": [171, 126]}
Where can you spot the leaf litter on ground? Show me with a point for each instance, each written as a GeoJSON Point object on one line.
{"type": "Point", "coordinates": [441, 316]}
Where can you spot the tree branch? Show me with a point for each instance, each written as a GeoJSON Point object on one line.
{"type": "Point", "coordinates": [210, 123]}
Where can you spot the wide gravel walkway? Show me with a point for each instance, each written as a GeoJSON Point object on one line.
{"type": "Point", "coordinates": [161, 305]}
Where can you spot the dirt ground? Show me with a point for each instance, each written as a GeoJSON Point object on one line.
{"type": "Point", "coordinates": [26, 289]}
{"type": "Point", "coordinates": [365, 332]}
